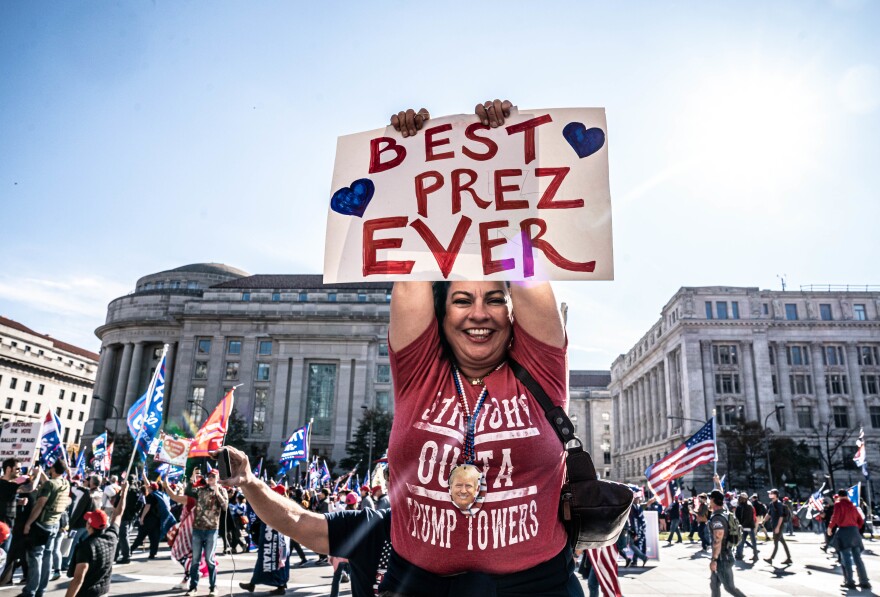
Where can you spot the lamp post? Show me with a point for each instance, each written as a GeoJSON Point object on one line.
{"type": "Point", "coordinates": [767, 438]}
{"type": "Point", "coordinates": [191, 401]}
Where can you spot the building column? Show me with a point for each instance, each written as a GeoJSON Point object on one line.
{"type": "Point", "coordinates": [664, 398]}
{"type": "Point", "coordinates": [134, 377]}
{"type": "Point", "coordinates": [784, 384]}
{"type": "Point", "coordinates": [748, 381]}
{"type": "Point", "coordinates": [855, 383]}
{"type": "Point", "coordinates": [708, 377]}
{"type": "Point", "coordinates": [122, 378]}
{"type": "Point", "coordinates": [643, 412]}
{"type": "Point", "coordinates": [818, 384]}
{"type": "Point", "coordinates": [104, 388]}
{"type": "Point", "coordinates": [626, 427]}
{"type": "Point", "coordinates": [169, 377]}
{"type": "Point", "coordinates": [631, 434]}
{"type": "Point", "coordinates": [655, 405]}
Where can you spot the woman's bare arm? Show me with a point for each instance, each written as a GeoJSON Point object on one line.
{"type": "Point", "coordinates": [535, 311]}
{"type": "Point", "coordinates": [412, 311]}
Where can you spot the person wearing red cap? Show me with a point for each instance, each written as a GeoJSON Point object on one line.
{"type": "Point", "coordinates": [211, 503]}
{"type": "Point", "coordinates": [93, 558]}
{"type": "Point", "coordinates": [366, 499]}
{"type": "Point", "coordinates": [380, 498]}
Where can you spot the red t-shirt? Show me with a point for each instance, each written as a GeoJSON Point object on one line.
{"type": "Point", "coordinates": [517, 526]}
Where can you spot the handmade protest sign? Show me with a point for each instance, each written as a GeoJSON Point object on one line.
{"type": "Point", "coordinates": [173, 450]}
{"type": "Point", "coordinates": [19, 439]}
{"type": "Point", "coordinates": [462, 201]}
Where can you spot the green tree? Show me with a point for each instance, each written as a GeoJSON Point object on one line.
{"type": "Point", "coordinates": [795, 460]}
{"type": "Point", "coordinates": [358, 450]}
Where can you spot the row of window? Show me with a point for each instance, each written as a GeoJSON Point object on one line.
{"type": "Point", "coordinates": [730, 415]}
{"type": "Point", "coordinates": [799, 355]}
{"type": "Point", "coordinates": [41, 352]}
{"type": "Point", "coordinates": [233, 346]}
{"type": "Point", "coordinates": [200, 371]}
{"type": "Point", "coordinates": [802, 383]}
{"type": "Point", "coordinates": [860, 313]}
{"type": "Point", "coordinates": [173, 284]}
{"type": "Point", "coordinates": [723, 310]}
{"type": "Point", "coordinates": [23, 407]}
{"type": "Point", "coordinates": [13, 384]}
{"type": "Point", "coordinates": [330, 297]}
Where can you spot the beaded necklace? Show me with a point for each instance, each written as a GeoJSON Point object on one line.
{"type": "Point", "coordinates": [471, 419]}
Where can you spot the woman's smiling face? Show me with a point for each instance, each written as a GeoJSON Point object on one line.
{"type": "Point", "coordinates": [478, 323]}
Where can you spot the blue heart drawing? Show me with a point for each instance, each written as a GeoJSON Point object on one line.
{"type": "Point", "coordinates": [584, 141]}
{"type": "Point", "coordinates": [353, 200]}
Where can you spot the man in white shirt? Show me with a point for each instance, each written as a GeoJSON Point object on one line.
{"type": "Point", "coordinates": [110, 492]}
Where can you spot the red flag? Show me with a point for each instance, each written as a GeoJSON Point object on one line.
{"type": "Point", "coordinates": [108, 457]}
{"type": "Point", "coordinates": [213, 431]}
{"type": "Point", "coordinates": [604, 561]}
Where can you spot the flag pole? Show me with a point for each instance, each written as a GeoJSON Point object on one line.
{"type": "Point", "coordinates": [150, 390]}
{"type": "Point", "coordinates": [715, 442]}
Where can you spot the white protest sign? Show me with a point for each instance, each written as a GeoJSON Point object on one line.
{"type": "Point", "coordinates": [460, 201]}
{"type": "Point", "coordinates": [173, 450]}
{"type": "Point", "coordinates": [19, 439]}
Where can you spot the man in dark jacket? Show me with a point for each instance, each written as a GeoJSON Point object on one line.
{"type": "Point", "coordinates": [129, 513]}
{"type": "Point", "coordinates": [848, 541]}
{"type": "Point", "coordinates": [674, 512]}
{"type": "Point", "coordinates": [760, 513]}
{"type": "Point", "coordinates": [776, 515]}
{"type": "Point", "coordinates": [82, 501]}
{"type": "Point", "coordinates": [745, 514]}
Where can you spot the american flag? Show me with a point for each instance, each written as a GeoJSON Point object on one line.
{"type": "Point", "coordinates": [604, 561]}
{"type": "Point", "coordinates": [861, 459]}
{"type": "Point", "coordinates": [51, 446]}
{"type": "Point", "coordinates": [815, 505]}
{"type": "Point", "coordinates": [697, 450]}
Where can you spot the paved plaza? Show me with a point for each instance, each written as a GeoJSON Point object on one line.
{"type": "Point", "coordinates": [682, 570]}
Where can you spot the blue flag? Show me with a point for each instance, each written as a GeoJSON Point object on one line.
{"type": "Point", "coordinates": [51, 448]}
{"type": "Point", "coordinates": [81, 463]}
{"type": "Point", "coordinates": [325, 474]}
{"type": "Point", "coordinates": [145, 416]}
{"type": "Point", "coordinates": [170, 471]}
{"type": "Point", "coordinates": [854, 494]}
{"type": "Point", "coordinates": [297, 446]}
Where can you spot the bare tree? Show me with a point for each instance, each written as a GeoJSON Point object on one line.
{"type": "Point", "coordinates": [831, 442]}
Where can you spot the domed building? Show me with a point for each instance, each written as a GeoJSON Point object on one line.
{"type": "Point", "coordinates": [298, 350]}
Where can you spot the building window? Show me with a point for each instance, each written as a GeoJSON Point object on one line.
{"type": "Point", "coordinates": [148, 286]}
{"type": "Point", "coordinates": [192, 285]}
{"type": "Point", "coordinates": [319, 398]}
{"type": "Point", "coordinates": [791, 311]}
{"type": "Point", "coordinates": [362, 297]}
{"type": "Point", "coordinates": [331, 297]}
{"type": "Point", "coordinates": [841, 417]}
{"type": "Point", "coordinates": [804, 417]}
{"type": "Point", "coordinates": [730, 415]}
{"type": "Point", "coordinates": [175, 284]}
{"type": "Point", "coordinates": [84, 398]}
{"type": "Point", "coordinates": [76, 441]}
{"type": "Point", "coordinates": [66, 434]}
{"type": "Point", "coordinates": [708, 309]}
{"type": "Point", "coordinates": [735, 306]}
{"type": "Point", "coordinates": [825, 312]}
{"type": "Point", "coordinates": [727, 383]}
{"type": "Point", "coordinates": [195, 405]}
{"type": "Point", "coordinates": [383, 349]}
{"type": "Point", "coordinates": [40, 389]}
{"type": "Point", "coordinates": [833, 355]}
{"type": "Point", "coordinates": [721, 309]}
{"type": "Point", "coordinates": [870, 384]}
{"type": "Point", "coordinates": [874, 413]}
{"type": "Point", "coordinates": [798, 355]}
{"type": "Point", "coordinates": [836, 384]}
{"type": "Point", "coordinates": [233, 347]}
{"type": "Point", "coordinates": [81, 416]}
{"type": "Point", "coordinates": [160, 285]}
{"type": "Point", "coordinates": [264, 347]}
{"type": "Point", "coordinates": [245, 296]}
{"type": "Point", "coordinates": [276, 296]}
{"type": "Point", "coordinates": [73, 396]}
{"type": "Point", "coordinates": [801, 384]}
{"type": "Point", "coordinates": [58, 411]}
{"type": "Point", "coordinates": [775, 384]}
{"type": "Point", "coordinates": [724, 354]}
{"type": "Point", "coordinates": [262, 371]}
{"type": "Point", "coordinates": [859, 313]}
{"type": "Point", "coordinates": [231, 370]}
{"type": "Point", "coordinates": [383, 373]}
{"type": "Point", "coordinates": [772, 352]}
{"type": "Point", "coordinates": [766, 309]}
{"type": "Point", "coordinates": [203, 346]}
{"type": "Point", "coordinates": [387, 296]}
{"type": "Point", "coordinates": [303, 296]}
{"type": "Point", "coordinates": [69, 415]}
{"type": "Point", "coordinates": [27, 386]}
{"type": "Point", "coordinates": [23, 406]}
{"type": "Point", "coordinates": [606, 457]}
{"type": "Point", "coordinates": [37, 408]}
{"type": "Point", "coordinates": [13, 382]}
{"type": "Point", "coordinates": [868, 355]}
{"type": "Point", "coordinates": [200, 371]}
{"type": "Point", "coordinates": [382, 401]}
{"type": "Point", "coordinates": [261, 398]}
{"type": "Point", "coordinates": [9, 404]}
{"type": "Point", "coordinates": [61, 394]}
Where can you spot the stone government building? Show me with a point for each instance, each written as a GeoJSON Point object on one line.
{"type": "Point", "coordinates": [745, 352]}
{"type": "Point", "coordinates": [301, 350]}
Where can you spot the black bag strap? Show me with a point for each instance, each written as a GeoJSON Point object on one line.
{"type": "Point", "coordinates": [580, 463]}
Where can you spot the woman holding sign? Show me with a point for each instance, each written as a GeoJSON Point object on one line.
{"type": "Point", "coordinates": [458, 405]}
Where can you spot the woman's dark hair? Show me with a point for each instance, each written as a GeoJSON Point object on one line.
{"type": "Point", "coordinates": [441, 290]}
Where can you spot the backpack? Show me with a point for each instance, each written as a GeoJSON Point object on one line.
{"type": "Point", "coordinates": [786, 512]}
{"type": "Point", "coordinates": [734, 529]}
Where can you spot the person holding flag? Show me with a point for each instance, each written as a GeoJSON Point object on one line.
{"type": "Point", "coordinates": [42, 526]}
{"type": "Point", "coordinates": [145, 416]}
{"type": "Point", "coordinates": [847, 519]}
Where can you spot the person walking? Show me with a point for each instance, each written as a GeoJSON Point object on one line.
{"type": "Point", "coordinates": [760, 514]}
{"type": "Point", "coordinates": [701, 514]}
{"type": "Point", "coordinates": [129, 513]}
{"type": "Point", "coordinates": [721, 565]}
{"type": "Point", "coordinates": [745, 514]}
{"type": "Point", "coordinates": [211, 503]}
{"type": "Point", "coordinates": [85, 499]}
{"type": "Point", "coordinates": [150, 523]}
{"type": "Point", "coordinates": [9, 487]}
{"type": "Point", "coordinates": [42, 526]}
{"type": "Point", "coordinates": [848, 540]}
{"type": "Point", "coordinates": [776, 515]}
{"type": "Point", "coordinates": [674, 513]}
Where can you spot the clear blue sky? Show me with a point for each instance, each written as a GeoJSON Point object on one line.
{"type": "Point", "coordinates": [141, 136]}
